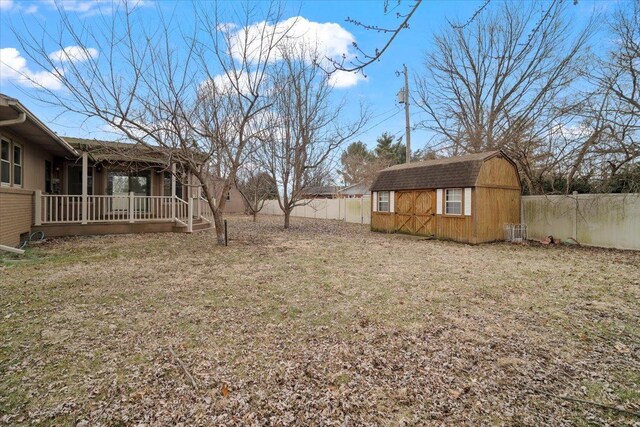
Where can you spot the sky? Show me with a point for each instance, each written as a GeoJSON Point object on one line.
{"type": "Point", "coordinates": [324, 21]}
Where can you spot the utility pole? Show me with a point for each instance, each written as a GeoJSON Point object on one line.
{"type": "Point", "coordinates": [405, 100]}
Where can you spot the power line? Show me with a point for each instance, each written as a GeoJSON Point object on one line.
{"type": "Point", "coordinates": [379, 123]}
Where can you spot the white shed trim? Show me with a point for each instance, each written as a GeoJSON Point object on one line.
{"type": "Point", "coordinates": [439, 201]}
{"type": "Point", "coordinates": [375, 201]}
{"type": "Point", "coordinates": [392, 201]}
{"type": "Point", "coordinates": [467, 201]}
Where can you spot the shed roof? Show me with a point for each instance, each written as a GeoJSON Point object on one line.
{"type": "Point", "coordinates": [460, 171]}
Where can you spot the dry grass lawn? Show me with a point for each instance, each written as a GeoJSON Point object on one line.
{"type": "Point", "coordinates": [325, 324]}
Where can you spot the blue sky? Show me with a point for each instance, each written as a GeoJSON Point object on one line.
{"type": "Point", "coordinates": [377, 91]}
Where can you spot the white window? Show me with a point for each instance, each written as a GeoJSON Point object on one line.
{"type": "Point", "coordinates": [10, 163]}
{"type": "Point", "coordinates": [5, 162]}
{"type": "Point", "coordinates": [17, 164]}
{"type": "Point", "coordinates": [453, 201]}
{"type": "Point", "coordinates": [383, 201]}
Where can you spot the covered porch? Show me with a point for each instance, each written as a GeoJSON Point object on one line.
{"type": "Point", "coordinates": [102, 194]}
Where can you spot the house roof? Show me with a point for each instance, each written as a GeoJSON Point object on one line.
{"type": "Point", "coordinates": [113, 151]}
{"type": "Point", "coordinates": [26, 125]}
{"type": "Point", "coordinates": [321, 190]}
{"type": "Point", "coordinates": [359, 188]}
{"type": "Point", "coordinates": [460, 171]}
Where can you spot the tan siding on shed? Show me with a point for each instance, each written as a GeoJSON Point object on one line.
{"type": "Point", "coordinates": [495, 207]}
{"type": "Point", "coordinates": [498, 172]}
{"type": "Point", "coordinates": [16, 215]}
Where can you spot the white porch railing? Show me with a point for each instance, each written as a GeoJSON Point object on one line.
{"type": "Point", "coordinates": [67, 209]}
{"type": "Point", "coordinates": [205, 210]}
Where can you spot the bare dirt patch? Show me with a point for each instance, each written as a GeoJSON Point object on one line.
{"type": "Point", "coordinates": [323, 324]}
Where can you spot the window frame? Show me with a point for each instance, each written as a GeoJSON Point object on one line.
{"type": "Point", "coordinates": [11, 164]}
{"type": "Point", "coordinates": [447, 202]}
{"type": "Point", "coordinates": [5, 162]}
{"type": "Point", "coordinates": [166, 189]}
{"type": "Point", "coordinates": [48, 176]}
{"type": "Point", "coordinates": [90, 179]}
{"type": "Point", "coordinates": [15, 145]}
{"type": "Point", "coordinates": [388, 201]}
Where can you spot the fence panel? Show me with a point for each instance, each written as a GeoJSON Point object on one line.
{"type": "Point", "coordinates": [348, 210]}
{"type": "Point", "coordinates": [607, 220]}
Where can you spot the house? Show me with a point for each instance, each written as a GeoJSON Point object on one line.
{"type": "Point", "coordinates": [354, 191]}
{"type": "Point", "coordinates": [72, 186]}
{"type": "Point", "coordinates": [466, 198]}
{"type": "Point", "coordinates": [321, 192]}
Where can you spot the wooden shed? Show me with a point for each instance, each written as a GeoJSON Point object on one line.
{"type": "Point", "coordinates": [466, 198]}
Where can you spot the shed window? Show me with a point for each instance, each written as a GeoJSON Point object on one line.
{"type": "Point", "coordinates": [383, 201]}
{"type": "Point", "coordinates": [453, 201]}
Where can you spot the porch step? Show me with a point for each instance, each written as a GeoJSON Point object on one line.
{"type": "Point", "coordinates": [197, 226]}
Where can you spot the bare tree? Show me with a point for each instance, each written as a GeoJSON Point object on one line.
{"type": "Point", "coordinates": [193, 96]}
{"type": "Point", "coordinates": [256, 187]}
{"type": "Point", "coordinates": [306, 126]}
{"type": "Point", "coordinates": [618, 79]}
{"type": "Point", "coordinates": [509, 81]}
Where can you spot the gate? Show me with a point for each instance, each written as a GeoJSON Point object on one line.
{"type": "Point", "coordinates": [415, 212]}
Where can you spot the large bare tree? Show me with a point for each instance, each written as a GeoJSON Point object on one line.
{"type": "Point", "coordinates": [510, 80]}
{"type": "Point", "coordinates": [307, 126]}
{"type": "Point", "coordinates": [192, 92]}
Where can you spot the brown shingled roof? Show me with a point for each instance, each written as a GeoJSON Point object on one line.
{"type": "Point", "coordinates": [460, 171]}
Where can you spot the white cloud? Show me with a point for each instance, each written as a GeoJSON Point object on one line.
{"type": "Point", "coordinates": [11, 5]}
{"type": "Point", "coordinates": [222, 83]}
{"type": "Point", "coordinates": [330, 40]}
{"type": "Point", "coordinates": [13, 68]}
{"type": "Point", "coordinates": [344, 79]}
{"type": "Point", "coordinates": [74, 54]}
{"type": "Point", "coordinates": [6, 4]}
{"type": "Point", "coordinates": [93, 7]}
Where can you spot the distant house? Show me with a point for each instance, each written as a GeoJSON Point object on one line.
{"type": "Point", "coordinates": [467, 198]}
{"type": "Point", "coordinates": [354, 191]}
{"type": "Point", "coordinates": [71, 186]}
{"type": "Point", "coordinates": [321, 192]}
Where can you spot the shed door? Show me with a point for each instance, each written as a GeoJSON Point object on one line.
{"type": "Point", "coordinates": [415, 212]}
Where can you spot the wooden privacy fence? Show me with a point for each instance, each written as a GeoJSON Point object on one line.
{"type": "Point", "coordinates": [606, 220]}
{"type": "Point", "coordinates": [349, 210]}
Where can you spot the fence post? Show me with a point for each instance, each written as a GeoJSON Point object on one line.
{"type": "Point", "coordinates": [190, 216]}
{"type": "Point", "coordinates": [38, 208]}
{"type": "Point", "coordinates": [131, 207]}
{"type": "Point", "coordinates": [575, 216]}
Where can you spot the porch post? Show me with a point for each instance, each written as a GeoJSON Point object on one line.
{"type": "Point", "coordinates": [190, 216]}
{"type": "Point", "coordinates": [131, 206]}
{"type": "Point", "coordinates": [173, 190]}
{"type": "Point", "coordinates": [85, 179]}
{"type": "Point", "coordinates": [198, 196]}
{"type": "Point", "coordinates": [38, 208]}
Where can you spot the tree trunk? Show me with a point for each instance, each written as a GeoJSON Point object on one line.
{"type": "Point", "coordinates": [255, 215]}
{"type": "Point", "coordinates": [218, 221]}
{"type": "Point", "coordinates": [287, 216]}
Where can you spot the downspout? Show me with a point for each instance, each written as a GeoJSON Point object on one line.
{"type": "Point", "coordinates": [20, 119]}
